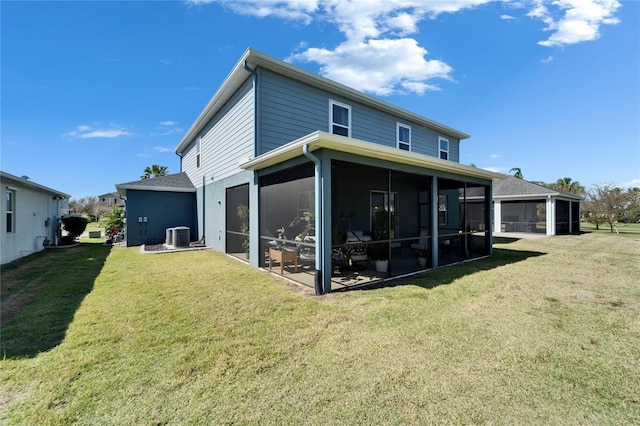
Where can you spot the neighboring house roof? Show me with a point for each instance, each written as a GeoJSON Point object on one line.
{"type": "Point", "coordinates": [514, 188]}
{"type": "Point", "coordinates": [178, 182]}
{"type": "Point", "coordinates": [6, 178]}
{"type": "Point", "coordinates": [252, 59]}
{"type": "Point", "coordinates": [109, 195]}
{"type": "Point", "coordinates": [318, 140]}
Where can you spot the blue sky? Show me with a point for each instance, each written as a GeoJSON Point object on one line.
{"type": "Point", "coordinates": [93, 92]}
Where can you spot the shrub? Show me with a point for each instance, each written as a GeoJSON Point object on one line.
{"type": "Point", "coordinates": [74, 225]}
{"type": "Point", "coordinates": [113, 221]}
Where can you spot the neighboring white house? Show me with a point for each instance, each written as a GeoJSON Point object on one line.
{"type": "Point", "coordinates": [30, 215]}
{"type": "Point", "coordinates": [522, 206]}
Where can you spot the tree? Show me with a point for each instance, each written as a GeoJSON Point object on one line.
{"type": "Point", "coordinates": [517, 172]}
{"type": "Point", "coordinates": [607, 204]}
{"type": "Point", "coordinates": [567, 185]}
{"type": "Point", "coordinates": [113, 221]}
{"type": "Point", "coordinates": [75, 226]}
{"type": "Point", "coordinates": [90, 206]}
{"type": "Point", "coordinates": [154, 171]}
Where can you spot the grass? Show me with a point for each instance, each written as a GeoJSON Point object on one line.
{"type": "Point", "coordinates": [545, 331]}
{"type": "Point", "coordinates": [631, 230]}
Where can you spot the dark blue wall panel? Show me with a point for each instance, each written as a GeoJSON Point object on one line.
{"type": "Point", "coordinates": [163, 210]}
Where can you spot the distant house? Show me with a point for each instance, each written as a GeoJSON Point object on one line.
{"type": "Point", "coordinates": [153, 205]}
{"type": "Point", "coordinates": [283, 157]}
{"type": "Point", "coordinates": [31, 215]}
{"type": "Point", "coordinates": [111, 199]}
{"type": "Point", "coordinates": [522, 206]}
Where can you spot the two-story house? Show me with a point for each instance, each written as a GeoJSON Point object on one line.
{"type": "Point", "coordinates": [291, 167]}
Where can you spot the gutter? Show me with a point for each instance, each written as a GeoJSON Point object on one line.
{"type": "Point", "coordinates": [318, 201]}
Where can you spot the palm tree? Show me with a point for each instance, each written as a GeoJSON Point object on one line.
{"type": "Point", "coordinates": [154, 171]}
{"type": "Point", "coordinates": [517, 172]}
{"type": "Point", "coordinates": [568, 185]}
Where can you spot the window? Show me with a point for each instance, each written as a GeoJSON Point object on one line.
{"type": "Point", "coordinates": [442, 209]}
{"type": "Point", "coordinates": [10, 209]}
{"type": "Point", "coordinates": [444, 148]}
{"type": "Point", "coordinates": [403, 136]}
{"type": "Point", "coordinates": [339, 118]}
{"type": "Point", "coordinates": [198, 153]}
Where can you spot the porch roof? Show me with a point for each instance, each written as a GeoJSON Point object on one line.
{"type": "Point", "coordinates": [318, 140]}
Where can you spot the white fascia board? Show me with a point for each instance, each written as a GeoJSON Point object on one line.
{"type": "Point", "coordinates": [318, 139]}
{"type": "Point", "coordinates": [121, 188]}
{"type": "Point", "coordinates": [19, 181]}
{"type": "Point", "coordinates": [555, 195]}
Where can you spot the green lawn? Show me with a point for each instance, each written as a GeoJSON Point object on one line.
{"type": "Point", "coordinates": [545, 331]}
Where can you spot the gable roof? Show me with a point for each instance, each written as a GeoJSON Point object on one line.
{"type": "Point", "coordinates": [252, 59]}
{"type": "Point", "coordinates": [178, 182]}
{"type": "Point", "coordinates": [513, 187]}
{"type": "Point", "coordinates": [6, 177]}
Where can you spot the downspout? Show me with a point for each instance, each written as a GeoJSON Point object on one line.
{"type": "Point", "coordinates": [318, 197]}
{"type": "Point", "coordinates": [204, 217]}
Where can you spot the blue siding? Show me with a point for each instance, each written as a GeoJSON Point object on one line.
{"type": "Point", "coordinates": [228, 137]}
{"type": "Point", "coordinates": [289, 109]}
{"type": "Point", "coordinates": [163, 210]}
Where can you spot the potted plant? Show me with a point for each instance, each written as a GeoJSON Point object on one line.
{"type": "Point", "coordinates": [379, 252]}
{"type": "Point", "coordinates": [422, 257]}
{"type": "Point", "coordinates": [243, 215]}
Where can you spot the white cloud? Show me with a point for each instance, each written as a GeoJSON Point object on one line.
{"type": "Point", "coordinates": [379, 54]}
{"type": "Point", "coordinates": [547, 59]}
{"type": "Point", "coordinates": [382, 66]}
{"type": "Point", "coordinates": [574, 21]}
{"type": "Point", "coordinates": [495, 169]}
{"type": "Point", "coordinates": [494, 156]}
{"type": "Point", "coordinates": [161, 149]}
{"type": "Point", "coordinates": [89, 132]}
{"type": "Point", "coordinates": [168, 127]}
{"type": "Point", "coordinates": [631, 184]}
{"type": "Point", "coordinates": [290, 9]}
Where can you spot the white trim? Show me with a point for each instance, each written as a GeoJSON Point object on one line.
{"type": "Point", "coordinates": [398, 141]}
{"type": "Point", "coordinates": [12, 221]}
{"type": "Point", "coordinates": [198, 156]}
{"type": "Point", "coordinates": [319, 140]}
{"type": "Point", "coordinates": [440, 150]}
{"type": "Point", "coordinates": [332, 123]}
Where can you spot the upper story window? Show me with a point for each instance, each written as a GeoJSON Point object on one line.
{"type": "Point", "coordinates": [444, 148]}
{"type": "Point", "coordinates": [403, 136]}
{"type": "Point", "coordinates": [339, 118]}
{"type": "Point", "coordinates": [11, 204]}
{"type": "Point", "coordinates": [198, 153]}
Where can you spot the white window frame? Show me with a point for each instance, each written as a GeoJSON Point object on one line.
{"type": "Point", "coordinates": [443, 151]}
{"type": "Point", "coordinates": [198, 159]}
{"type": "Point", "coordinates": [400, 143]}
{"type": "Point", "coordinates": [11, 211]}
{"type": "Point", "coordinates": [332, 123]}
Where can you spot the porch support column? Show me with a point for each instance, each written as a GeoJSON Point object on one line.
{"type": "Point", "coordinates": [551, 216]}
{"type": "Point", "coordinates": [497, 216]}
{"type": "Point", "coordinates": [326, 223]}
{"type": "Point", "coordinates": [254, 221]}
{"type": "Point", "coordinates": [488, 202]}
{"type": "Point", "coordinates": [434, 222]}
